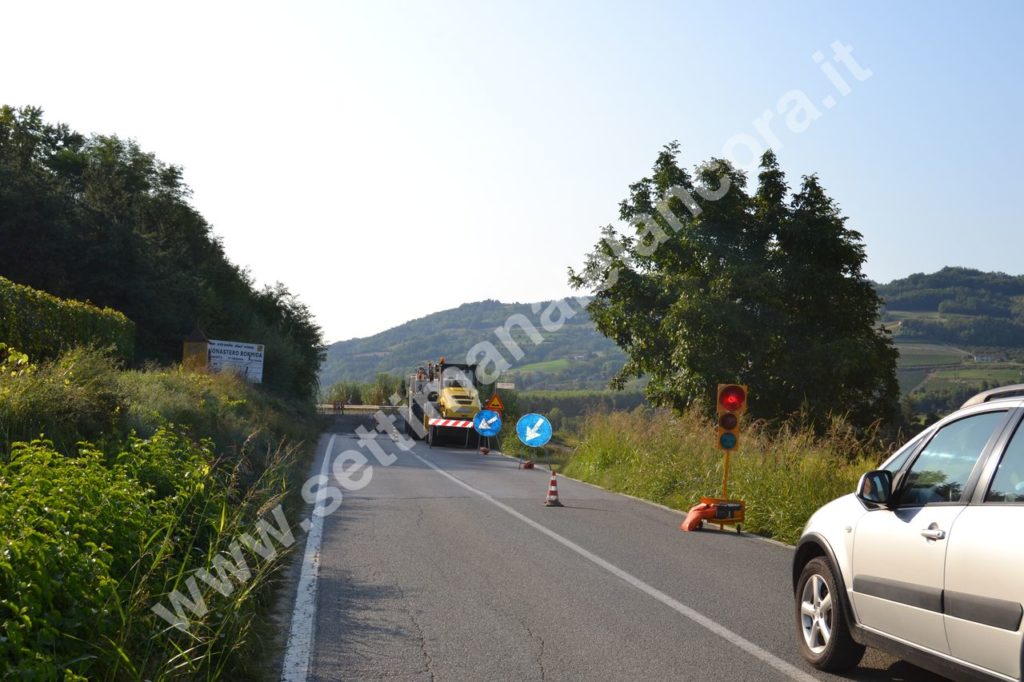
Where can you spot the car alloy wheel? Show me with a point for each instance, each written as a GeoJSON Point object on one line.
{"type": "Point", "coordinates": [816, 613]}
{"type": "Point", "coordinates": [824, 635]}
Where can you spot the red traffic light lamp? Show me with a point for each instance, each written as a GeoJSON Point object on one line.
{"type": "Point", "coordinates": [730, 406]}
{"type": "Point", "coordinates": [732, 398]}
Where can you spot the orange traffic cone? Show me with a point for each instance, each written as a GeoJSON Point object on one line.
{"type": "Point", "coordinates": [528, 464]}
{"type": "Point", "coordinates": [552, 500]}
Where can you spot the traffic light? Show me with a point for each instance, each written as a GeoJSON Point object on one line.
{"type": "Point", "coordinates": [730, 405]}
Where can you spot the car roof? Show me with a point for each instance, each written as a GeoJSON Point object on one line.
{"type": "Point", "coordinates": [1014, 391]}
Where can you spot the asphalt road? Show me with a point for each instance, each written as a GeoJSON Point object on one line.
{"type": "Point", "coordinates": [448, 566]}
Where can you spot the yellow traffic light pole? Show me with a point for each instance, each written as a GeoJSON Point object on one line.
{"type": "Point", "coordinates": [730, 405]}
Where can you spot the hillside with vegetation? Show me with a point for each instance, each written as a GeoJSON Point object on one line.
{"type": "Point", "coordinates": [96, 218]}
{"type": "Point", "coordinates": [123, 478]}
{"type": "Point", "coordinates": [939, 323]}
{"type": "Point", "coordinates": [573, 357]}
{"type": "Point", "coordinates": [959, 331]}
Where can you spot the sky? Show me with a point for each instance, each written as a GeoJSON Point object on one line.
{"type": "Point", "coordinates": [360, 152]}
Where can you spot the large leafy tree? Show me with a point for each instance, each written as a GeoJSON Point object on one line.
{"type": "Point", "coordinates": [97, 218]}
{"type": "Point", "coordinates": [713, 284]}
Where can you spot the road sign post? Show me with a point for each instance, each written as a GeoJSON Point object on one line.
{"type": "Point", "coordinates": [487, 423]}
{"type": "Point", "coordinates": [534, 430]}
{"type": "Point", "coordinates": [495, 404]}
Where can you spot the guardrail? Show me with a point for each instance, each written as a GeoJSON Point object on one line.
{"type": "Point", "coordinates": [338, 408]}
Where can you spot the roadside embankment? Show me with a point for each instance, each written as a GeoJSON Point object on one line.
{"type": "Point", "coordinates": [118, 488]}
{"type": "Point", "coordinates": [671, 459]}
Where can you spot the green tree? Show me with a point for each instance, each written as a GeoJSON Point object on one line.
{"type": "Point", "coordinates": [98, 219]}
{"type": "Point", "coordinates": [711, 284]}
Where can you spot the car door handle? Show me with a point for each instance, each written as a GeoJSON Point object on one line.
{"type": "Point", "coordinates": [933, 533]}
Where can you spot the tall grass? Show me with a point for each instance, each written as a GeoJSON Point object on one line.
{"type": "Point", "coordinates": [783, 476]}
{"type": "Point", "coordinates": [115, 488]}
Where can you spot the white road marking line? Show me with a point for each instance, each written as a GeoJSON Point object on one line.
{"type": "Point", "coordinates": [300, 636]}
{"type": "Point", "coordinates": [725, 633]}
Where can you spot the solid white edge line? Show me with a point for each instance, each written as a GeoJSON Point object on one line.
{"type": "Point", "coordinates": [725, 633]}
{"type": "Point", "coordinates": [301, 633]}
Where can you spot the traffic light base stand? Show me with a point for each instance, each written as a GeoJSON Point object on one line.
{"type": "Point", "coordinates": [727, 512]}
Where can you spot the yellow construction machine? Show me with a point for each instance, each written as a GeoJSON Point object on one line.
{"type": "Point", "coordinates": [443, 399]}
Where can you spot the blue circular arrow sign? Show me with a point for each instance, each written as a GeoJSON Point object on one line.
{"type": "Point", "coordinates": [534, 430]}
{"type": "Point", "coordinates": [487, 423]}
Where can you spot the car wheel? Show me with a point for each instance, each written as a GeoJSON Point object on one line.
{"type": "Point", "coordinates": [821, 622]}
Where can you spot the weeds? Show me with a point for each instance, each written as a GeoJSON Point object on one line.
{"type": "Point", "coordinates": [93, 535]}
{"type": "Point", "coordinates": [671, 459]}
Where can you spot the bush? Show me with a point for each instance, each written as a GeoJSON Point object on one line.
{"type": "Point", "coordinates": [84, 395]}
{"type": "Point", "coordinates": [93, 543]}
{"type": "Point", "coordinates": [72, 398]}
{"type": "Point", "coordinates": [672, 459]}
{"type": "Point", "coordinates": [94, 535]}
{"type": "Point", "coordinates": [43, 326]}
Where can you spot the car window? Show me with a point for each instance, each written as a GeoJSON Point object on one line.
{"type": "Point", "coordinates": [940, 472]}
{"type": "Point", "coordinates": [1008, 484]}
{"type": "Point", "coordinates": [896, 462]}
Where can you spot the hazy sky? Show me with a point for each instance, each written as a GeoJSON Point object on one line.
{"type": "Point", "coordinates": [361, 151]}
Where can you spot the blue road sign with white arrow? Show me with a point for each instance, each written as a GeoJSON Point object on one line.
{"type": "Point", "coordinates": [534, 430]}
{"type": "Point", "coordinates": [487, 423]}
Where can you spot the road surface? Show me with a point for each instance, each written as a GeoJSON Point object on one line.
{"type": "Point", "coordinates": [448, 566]}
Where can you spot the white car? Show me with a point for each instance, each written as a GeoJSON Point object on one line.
{"type": "Point", "coordinates": [926, 559]}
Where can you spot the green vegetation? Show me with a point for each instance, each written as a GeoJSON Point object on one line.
{"type": "Point", "coordinates": [998, 374]}
{"type": "Point", "coordinates": [580, 403]}
{"type": "Point", "coordinates": [95, 218]}
{"type": "Point", "coordinates": [670, 458]}
{"type": "Point", "coordinates": [122, 482]}
{"type": "Point", "coordinates": [544, 367]}
{"type": "Point", "coordinates": [959, 331]}
{"type": "Point", "coordinates": [141, 479]}
{"type": "Point", "coordinates": [764, 289]}
{"type": "Point", "coordinates": [579, 357]}
{"type": "Point", "coordinates": [957, 306]}
{"type": "Point", "coordinates": [911, 378]}
{"type": "Point", "coordinates": [573, 357]}
{"type": "Point", "coordinates": [378, 392]}
{"type": "Point", "coordinates": [42, 325]}
{"type": "Point", "coordinates": [929, 355]}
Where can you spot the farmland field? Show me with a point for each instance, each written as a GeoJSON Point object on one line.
{"type": "Point", "coordinates": [910, 378]}
{"type": "Point", "coordinates": [549, 366]}
{"type": "Point", "coordinates": [929, 355]}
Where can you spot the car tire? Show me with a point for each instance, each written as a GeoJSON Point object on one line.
{"type": "Point", "coordinates": [822, 627]}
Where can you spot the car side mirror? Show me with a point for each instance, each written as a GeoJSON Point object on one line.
{"type": "Point", "coordinates": [875, 488]}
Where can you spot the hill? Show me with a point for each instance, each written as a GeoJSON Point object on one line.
{"type": "Point", "coordinates": [957, 329]}
{"type": "Point", "coordinates": [575, 356]}
{"type": "Point", "coordinates": [959, 306]}
{"type": "Point", "coordinates": [96, 218]}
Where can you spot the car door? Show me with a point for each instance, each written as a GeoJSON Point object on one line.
{"type": "Point", "coordinates": [984, 589]}
{"type": "Point", "coordinates": [899, 553]}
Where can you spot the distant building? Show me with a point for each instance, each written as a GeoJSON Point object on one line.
{"type": "Point", "coordinates": [985, 358]}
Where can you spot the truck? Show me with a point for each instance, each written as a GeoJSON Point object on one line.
{"type": "Point", "coordinates": [443, 398]}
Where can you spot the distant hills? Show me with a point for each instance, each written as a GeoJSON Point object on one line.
{"type": "Point", "coordinates": [965, 323]}
{"type": "Point", "coordinates": [957, 306]}
{"type": "Point", "coordinates": [574, 357]}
